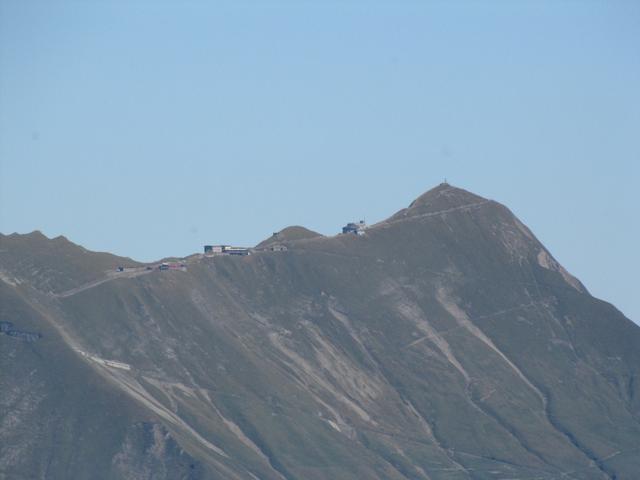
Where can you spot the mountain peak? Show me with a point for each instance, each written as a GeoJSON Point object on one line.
{"type": "Point", "coordinates": [440, 198]}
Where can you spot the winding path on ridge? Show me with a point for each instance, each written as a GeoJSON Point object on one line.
{"type": "Point", "coordinates": [131, 273]}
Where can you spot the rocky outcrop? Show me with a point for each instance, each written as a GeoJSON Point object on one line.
{"type": "Point", "coordinates": [148, 452]}
{"type": "Point", "coordinates": [8, 329]}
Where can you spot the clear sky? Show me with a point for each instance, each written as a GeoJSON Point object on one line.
{"type": "Point", "coordinates": [150, 128]}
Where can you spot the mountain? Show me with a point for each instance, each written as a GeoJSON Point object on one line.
{"type": "Point", "coordinates": [444, 343]}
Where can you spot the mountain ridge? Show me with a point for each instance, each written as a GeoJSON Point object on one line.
{"type": "Point", "coordinates": [444, 343]}
{"type": "Point", "coordinates": [297, 232]}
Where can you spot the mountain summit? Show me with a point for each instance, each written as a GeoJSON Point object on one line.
{"type": "Point", "coordinates": [445, 342]}
{"type": "Point", "coordinates": [438, 199]}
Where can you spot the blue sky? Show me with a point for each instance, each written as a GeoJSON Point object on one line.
{"type": "Point", "coordinates": [150, 128]}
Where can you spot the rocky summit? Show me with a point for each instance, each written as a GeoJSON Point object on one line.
{"type": "Point", "coordinates": [445, 342]}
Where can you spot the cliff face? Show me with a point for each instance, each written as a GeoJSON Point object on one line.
{"type": "Point", "coordinates": [445, 343]}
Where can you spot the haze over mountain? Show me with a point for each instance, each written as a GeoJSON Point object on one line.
{"type": "Point", "coordinates": [444, 343]}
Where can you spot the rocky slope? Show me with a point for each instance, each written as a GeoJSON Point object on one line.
{"type": "Point", "coordinates": [446, 343]}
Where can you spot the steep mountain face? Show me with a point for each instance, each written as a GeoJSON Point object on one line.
{"type": "Point", "coordinates": [445, 343]}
